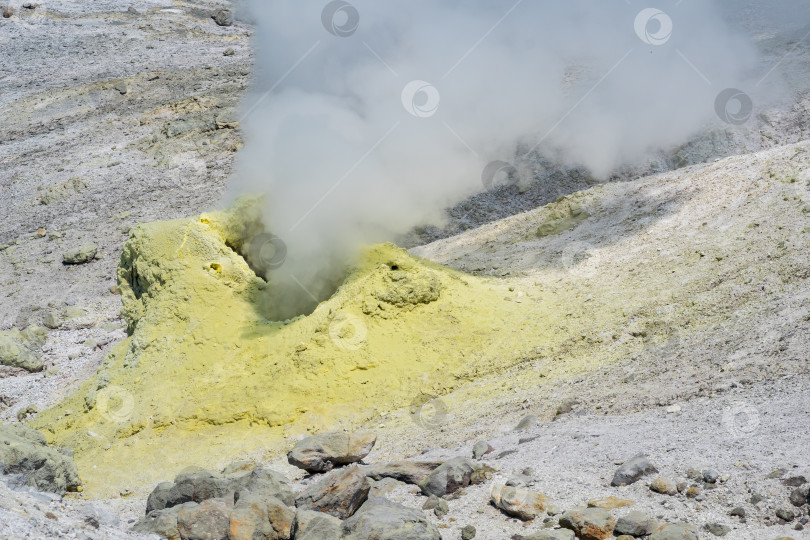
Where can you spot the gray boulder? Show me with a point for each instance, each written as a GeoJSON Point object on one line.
{"type": "Point", "coordinates": [162, 522]}
{"type": "Point", "coordinates": [24, 452]}
{"type": "Point", "coordinates": [322, 452]}
{"type": "Point", "coordinates": [223, 17]}
{"type": "Point", "coordinates": [634, 524]}
{"type": "Point", "coordinates": [450, 476]}
{"type": "Point", "coordinates": [800, 496]}
{"type": "Point", "coordinates": [481, 448]}
{"type": "Point", "coordinates": [632, 470]}
{"type": "Point", "coordinates": [339, 493]}
{"type": "Point", "coordinates": [589, 523]}
{"type": "Point", "coordinates": [255, 517]}
{"type": "Point", "coordinates": [311, 525]}
{"type": "Point", "coordinates": [381, 519]}
{"type": "Point", "coordinates": [196, 485]}
{"type": "Point", "coordinates": [410, 472]}
{"type": "Point", "coordinates": [209, 520]}
{"type": "Point", "coordinates": [23, 349]}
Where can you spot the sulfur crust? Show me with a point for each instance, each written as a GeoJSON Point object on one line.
{"type": "Point", "coordinates": [203, 377]}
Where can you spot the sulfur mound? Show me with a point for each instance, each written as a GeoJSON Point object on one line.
{"type": "Point", "coordinates": [204, 376]}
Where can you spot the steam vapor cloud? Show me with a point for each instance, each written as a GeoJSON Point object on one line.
{"type": "Point", "coordinates": [369, 118]}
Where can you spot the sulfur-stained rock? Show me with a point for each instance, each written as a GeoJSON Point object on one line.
{"type": "Point", "coordinates": [339, 493]}
{"type": "Point", "coordinates": [664, 486]}
{"type": "Point", "coordinates": [23, 349]}
{"type": "Point", "coordinates": [322, 452]}
{"type": "Point", "coordinates": [24, 452]}
{"type": "Point", "coordinates": [80, 255]}
{"type": "Point", "coordinates": [610, 503]}
{"type": "Point", "coordinates": [450, 476]}
{"type": "Point", "coordinates": [519, 502]}
{"type": "Point", "coordinates": [260, 518]}
{"type": "Point", "coordinates": [311, 525]}
{"type": "Point", "coordinates": [589, 523]}
{"type": "Point", "coordinates": [384, 519]}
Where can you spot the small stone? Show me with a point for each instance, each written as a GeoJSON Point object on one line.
{"type": "Point", "coordinates": [711, 476]}
{"type": "Point", "coordinates": [738, 511]}
{"type": "Point", "coordinates": [442, 508]}
{"type": "Point", "coordinates": [692, 492]}
{"type": "Point", "coordinates": [694, 474]}
{"type": "Point", "coordinates": [481, 448]}
{"type": "Point", "coordinates": [339, 493]}
{"type": "Point", "coordinates": [717, 529]}
{"type": "Point", "coordinates": [632, 470]}
{"type": "Point", "coordinates": [223, 17]}
{"type": "Point", "coordinates": [756, 498]}
{"type": "Point", "coordinates": [229, 52]}
{"type": "Point", "coordinates": [664, 486]}
{"type": "Point", "coordinates": [673, 408]}
{"type": "Point", "coordinates": [589, 523]}
{"type": "Point", "coordinates": [610, 503]}
{"type": "Point", "coordinates": [468, 532]}
{"type": "Point", "coordinates": [53, 320]}
{"type": "Point", "coordinates": [785, 514]}
{"type": "Point", "coordinates": [682, 487]}
{"type": "Point", "coordinates": [121, 87]}
{"type": "Point", "coordinates": [431, 503]}
{"type": "Point", "coordinates": [80, 255]}
{"type": "Point", "coordinates": [526, 422]}
{"type": "Point", "coordinates": [565, 407]}
{"type": "Point", "coordinates": [794, 481]}
{"type": "Point", "coordinates": [132, 11]}
{"type": "Point", "coordinates": [799, 496]}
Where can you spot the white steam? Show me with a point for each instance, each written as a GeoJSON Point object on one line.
{"type": "Point", "coordinates": [369, 118]}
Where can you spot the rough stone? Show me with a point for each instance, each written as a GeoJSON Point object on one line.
{"type": "Point", "coordinates": [410, 472]}
{"type": "Point", "coordinates": [557, 534]}
{"type": "Point", "coordinates": [381, 518]}
{"type": "Point", "coordinates": [24, 452]}
{"type": "Point", "coordinates": [80, 255]}
{"type": "Point", "coordinates": [208, 520]}
{"type": "Point", "coordinates": [450, 476]}
{"type": "Point", "coordinates": [799, 496]}
{"type": "Point", "coordinates": [717, 529]}
{"type": "Point", "coordinates": [312, 525]}
{"type": "Point", "coordinates": [23, 349]}
{"type": "Point", "coordinates": [675, 531]}
{"type": "Point", "coordinates": [480, 449]}
{"type": "Point", "coordinates": [468, 532]}
{"type": "Point", "coordinates": [664, 486]}
{"type": "Point", "coordinates": [610, 503]}
{"type": "Point", "coordinates": [322, 452]}
{"type": "Point", "coordinates": [340, 493]}
{"type": "Point", "coordinates": [526, 422]}
{"type": "Point", "coordinates": [632, 470]}
{"type": "Point", "coordinates": [785, 514]}
{"type": "Point", "coordinates": [634, 524]}
{"type": "Point", "coordinates": [518, 502]}
{"type": "Point", "coordinates": [589, 523]}
{"type": "Point", "coordinates": [255, 517]}
{"type": "Point", "coordinates": [223, 17]}
{"type": "Point", "coordinates": [162, 522]}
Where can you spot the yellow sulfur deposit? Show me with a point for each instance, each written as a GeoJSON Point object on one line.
{"type": "Point", "coordinates": [204, 378]}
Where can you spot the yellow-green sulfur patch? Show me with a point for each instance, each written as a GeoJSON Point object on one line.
{"type": "Point", "coordinates": [204, 377]}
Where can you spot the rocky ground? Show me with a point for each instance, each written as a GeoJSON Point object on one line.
{"type": "Point", "coordinates": [117, 113]}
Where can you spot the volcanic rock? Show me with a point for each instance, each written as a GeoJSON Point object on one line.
{"type": "Point", "coordinates": [255, 517]}
{"type": "Point", "coordinates": [80, 255]}
{"type": "Point", "coordinates": [381, 518]}
{"type": "Point", "coordinates": [25, 453]}
{"type": "Point", "coordinates": [223, 17]}
{"type": "Point", "coordinates": [675, 531]}
{"type": "Point", "coordinates": [322, 452]}
{"type": "Point", "coordinates": [481, 448]}
{"type": "Point", "coordinates": [518, 502]}
{"type": "Point", "coordinates": [558, 534]}
{"type": "Point", "coordinates": [632, 470]}
{"type": "Point", "coordinates": [450, 476]}
{"type": "Point", "coordinates": [22, 349]}
{"type": "Point", "coordinates": [589, 523]}
{"type": "Point", "coordinates": [311, 525]}
{"type": "Point", "coordinates": [634, 524]}
{"type": "Point", "coordinates": [339, 493]}
{"type": "Point", "coordinates": [208, 520]}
